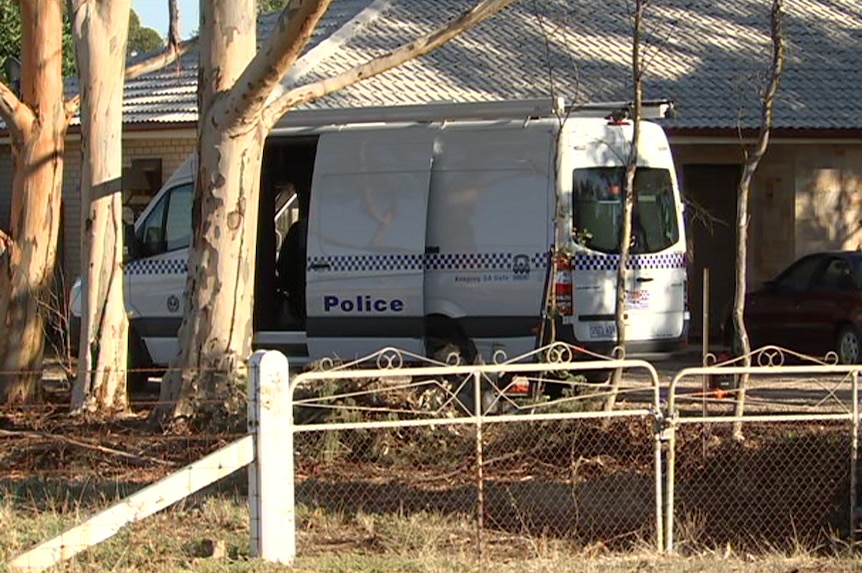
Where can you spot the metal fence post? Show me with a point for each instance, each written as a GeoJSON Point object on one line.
{"type": "Point", "coordinates": [854, 457]}
{"type": "Point", "coordinates": [670, 477]}
{"type": "Point", "coordinates": [271, 485]}
{"type": "Point", "coordinates": [480, 475]}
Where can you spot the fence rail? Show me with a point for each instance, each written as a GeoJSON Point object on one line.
{"type": "Point", "coordinates": [395, 435]}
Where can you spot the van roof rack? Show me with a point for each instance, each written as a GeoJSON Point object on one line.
{"type": "Point", "coordinates": [485, 110]}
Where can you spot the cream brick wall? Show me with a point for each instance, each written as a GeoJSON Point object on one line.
{"type": "Point", "coordinates": [828, 193]}
{"type": "Point", "coordinates": [805, 197]}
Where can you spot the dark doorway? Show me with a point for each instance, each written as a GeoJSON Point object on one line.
{"type": "Point", "coordinates": [710, 192]}
{"type": "Point", "coordinates": [286, 171]}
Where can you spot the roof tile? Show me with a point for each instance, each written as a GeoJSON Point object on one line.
{"type": "Point", "coordinates": [709, 57]}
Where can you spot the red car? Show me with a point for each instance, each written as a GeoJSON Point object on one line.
{"type": "Point", "coordinates": [813, 307]}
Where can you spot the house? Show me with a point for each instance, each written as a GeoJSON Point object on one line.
{"type": "Point", "coordinates": [711, 58]}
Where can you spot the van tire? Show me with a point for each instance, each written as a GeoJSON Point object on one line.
{"type": "Point", "coordinates": [454, 344]}
{"type": "Point", "coordinates": [138, 364]}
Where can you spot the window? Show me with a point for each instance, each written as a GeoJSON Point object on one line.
{"type": "Point", "coordinates": [141, 182]}
{"type": "Point", "coordinates": [797, 277]}
{"type": "Point", "coordinates": [168, 227]}
{"type": "Point", "coordinates": [838, 275]}
{"type": "Point", "coordinates": [598, 194]}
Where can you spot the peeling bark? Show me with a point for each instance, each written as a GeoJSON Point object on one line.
{"type": "Point", "coordinates": [100, 31]}
{"type": "Point", "coordinates": [38, 125]}
{"type": "Point", "coordinates": [216, 331]}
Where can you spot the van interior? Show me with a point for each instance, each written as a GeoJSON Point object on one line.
{"type": "Point", "coordinates": [286, 176]}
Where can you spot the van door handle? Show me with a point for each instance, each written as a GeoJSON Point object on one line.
{"type": "Point", "coordinates": [319, 266]}
{"type": "Point", "coordinates": [644, 279]}
{"type": "Point", "coordinates": [432, 250]}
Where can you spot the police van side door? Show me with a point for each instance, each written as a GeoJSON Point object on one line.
{"type": "Point", "coordinates": [366, 241]}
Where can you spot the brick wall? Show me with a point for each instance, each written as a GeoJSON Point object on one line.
{"type": "Point", "coordinates": [828, 193]}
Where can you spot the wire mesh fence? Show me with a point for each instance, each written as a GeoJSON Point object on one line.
{"type": "Point", "coordinates": [531, 470]}
{"type": "Point", "coordinates": [479, 462]}
{"type": "Point", "coordinates": [763, 456]}
{"type": "Point", "coordinates": [786, 487]}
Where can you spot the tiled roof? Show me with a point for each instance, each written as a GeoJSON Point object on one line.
{"type": "Point", "coordinates": [710, 57]}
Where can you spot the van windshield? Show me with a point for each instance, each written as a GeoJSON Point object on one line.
{"type": "Point", "coordinates": [597, 197]}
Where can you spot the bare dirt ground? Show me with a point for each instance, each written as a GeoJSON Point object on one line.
{"type": "Point", "coordinates": [45, 440]}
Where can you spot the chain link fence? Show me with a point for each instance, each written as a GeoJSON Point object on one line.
{"type": "Point", "coordinates": [762, 458]}
{"type": "Point", "coordinates": [786, 487]}
{"type": "Point", "coordinates": [531, 472]}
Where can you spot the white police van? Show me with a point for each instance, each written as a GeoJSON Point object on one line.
{"type": "Point", "coordinates": [424, 227]}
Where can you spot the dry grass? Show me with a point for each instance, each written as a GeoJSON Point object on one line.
{"type": "Point", "coordinates": [178, 540]}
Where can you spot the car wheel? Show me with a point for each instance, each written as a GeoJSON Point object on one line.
{"type": "Point", "coordinates": [848, 345]}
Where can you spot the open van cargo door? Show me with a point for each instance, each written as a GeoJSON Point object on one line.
{"type": "Point", "coordinates": [366, 241]}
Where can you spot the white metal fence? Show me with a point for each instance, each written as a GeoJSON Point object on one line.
{"type": "Point", "coordinates": [407, 437]}
{"type": "Point", "coordinates": [780, 471]}
{"type": "Point", "coordinates": [398, 435]}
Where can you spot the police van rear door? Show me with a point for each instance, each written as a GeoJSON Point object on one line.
{"type": "Point", "coordinates": [366, 241]}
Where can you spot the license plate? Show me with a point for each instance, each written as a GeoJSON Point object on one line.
{"type": "Point", "coordinates": [603, 331]}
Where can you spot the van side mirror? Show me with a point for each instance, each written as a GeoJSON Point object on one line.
{"type": "Point", "coordinates": [131, 248]}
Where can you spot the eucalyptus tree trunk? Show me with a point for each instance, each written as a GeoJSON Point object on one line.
{"type": "Point", "coordinates": [37, 124]}
{"type": "Point", "coordinates": [221, 280]}
{"type": "Point", "coordinates": [752, 161]}
{"type": "Point", "coordinates": [100, 34]}
{"type": "Point", "coordinates": [235, 83]}
{"type": "Point", "coordinates": [620, 318]}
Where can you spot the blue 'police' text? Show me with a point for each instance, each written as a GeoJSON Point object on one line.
{"type": "Point", "coordinates": [361, 303]}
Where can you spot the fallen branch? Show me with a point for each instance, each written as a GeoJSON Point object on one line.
{"type": "Point", "coordinates": [81, 444]}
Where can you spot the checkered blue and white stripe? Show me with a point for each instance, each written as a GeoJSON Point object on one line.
{"type": "Point", "coordinates": [157, 267]}
{"type": "Point", "coordinates": [354, 263]}
{"type": "Point", "coordinates": [591, 262]}
{"type": "Point", "coordinates": [432, 261]}
{"type": "Point", "coordinates": [437, 262]}
{"type": "Point", "coordinates": [480, 261]}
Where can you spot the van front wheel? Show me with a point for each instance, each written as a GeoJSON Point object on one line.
{"type": "Point", "coordinates": [139, 364]}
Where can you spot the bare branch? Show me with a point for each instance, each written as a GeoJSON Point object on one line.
{"type": "Point", "coordinates": [81, 444]}
{"type": "Point", "coordinates": [628, 200]}
{"type": "Point", "coordinates": [776, 68]}
{"type": "Point", "coordinates": [173, 26]}
{"type": "Point", "coordinates": [702, 215]}
{"type": "Point", "coordinates": [17, 116]}
{"type": "Point", "coordinates": [161, 60]}
{"type": "Point", "coordinates": [407, 52]}
{"type": "Point", "coordinates": [293, 29]}
{"type": "Point", "coordinates": [165, 58]}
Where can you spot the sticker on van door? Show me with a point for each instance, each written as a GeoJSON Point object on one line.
{"type": "Point", "coordinates": [637, 299]}
{"type": "Point", "coordinates": [521, 267]}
